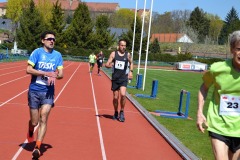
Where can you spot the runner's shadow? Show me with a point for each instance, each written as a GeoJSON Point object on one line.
{"type": "Point", "coordinates": [30, 146]}
{"type": "Point", "coordinates": [105, 116]}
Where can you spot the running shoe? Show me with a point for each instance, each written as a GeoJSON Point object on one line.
{"type": "Point", "coordinates": [115, 116]}
{"type": "Point", "coordinates": [99, 74]}
{"type": "Point", "coordinates": [121, 116]}
{"type": "Point", "coordinates": [30, 138]}
{"type": "Point", "coordinates": [36, 153]}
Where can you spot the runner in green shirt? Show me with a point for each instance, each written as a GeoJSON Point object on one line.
{"type": "Point", "coordinates": [223, 117]}
{"type": "Point", "coordinates": [92, 59]}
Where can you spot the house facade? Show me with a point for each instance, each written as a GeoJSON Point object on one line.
{"type": "Point", "coordinates": [3, 8]}
{"type": "Point", "coordinates": [171, 38]}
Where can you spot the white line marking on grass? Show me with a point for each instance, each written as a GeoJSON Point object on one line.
{"type": "Point", "coordinates": [168, 70]}
{"type": "Point", "coordinates": [98, 123]}
{"type": "Point", "coordinates": [25, 142]}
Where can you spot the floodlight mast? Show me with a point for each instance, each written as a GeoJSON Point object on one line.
{"type": "Point", "coordinates": [149, 32]}
{"type": "Point", "coordinates": [140, 50]}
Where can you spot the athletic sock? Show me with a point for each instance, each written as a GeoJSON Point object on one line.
{"type": "Point", "coordinates": [30, 129]}
{"type": "Point", "coordinates": [38, 144]}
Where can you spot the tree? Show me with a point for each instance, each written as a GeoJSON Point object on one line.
{"type": "Point", "coordinates": [231, 24]}
{"type": "Point", "coordinates": [30, 29]}
{"type": "Point", "coordinates": [192, 34]}
{"type": "Point", "coordinates": [14, 11]}
{"type": "Point", "coordinates": [199, 22]}
{"type": "Point", "coordinates": [79, 33]}
{"type": "Point", "coordinates": [103, 35]}
{"type": "Point", "coordinates": [57, 23]}
{"type": "Point", "coordinates": [155, 47]}
{"type": "Point", "coordinates": [129, 36]}
{"type": "Point", "coordinates": [163, 23]}
{"type": "Point", "coordinates": [179, 18]}
{"type": "Point", "coordinates": [45, 9]}
{"type": "Point", "coordinates": [122, 18]}
{"type": "Point", "coordinates": [215, 27]}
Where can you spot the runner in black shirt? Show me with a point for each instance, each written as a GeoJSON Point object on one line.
{"type": "Point", "coordinates": [121, 62]}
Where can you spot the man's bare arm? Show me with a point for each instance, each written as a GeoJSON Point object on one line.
{"type": "Point", "coordinates": [110, 59]}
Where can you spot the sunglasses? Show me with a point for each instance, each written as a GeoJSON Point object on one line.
{"type": "Point", "coordinates": [50, 39]}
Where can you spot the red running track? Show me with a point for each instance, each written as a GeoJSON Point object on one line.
{"type": "Point", "coordinates": [80, 125]}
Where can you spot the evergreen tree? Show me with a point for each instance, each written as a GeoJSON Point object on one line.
{"type": "Point", "coordinates": [79, 33]}
{"type": "Point", "coordinates": [155, 46]}
{"type": "Point", "coordinates": [231, 24]}
{"type": "Point", "coordinates": [30, 29]}
{"type": "Point", "coordinates": [57, 22]}
{"type": "Point", "coordinates": [129, 36]}
{"type": "Point", "coordinates": [103, 35]}
{"type": "Point", "coordinates": [200, 23]}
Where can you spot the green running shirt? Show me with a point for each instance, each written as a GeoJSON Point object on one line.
{"type": "Point", "coordinates": [226, 82]}
{"type": "Point", "coordinates": [92, 58]}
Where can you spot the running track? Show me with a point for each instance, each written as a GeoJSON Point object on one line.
{"type": "Point", "coordinates": [80, 125]}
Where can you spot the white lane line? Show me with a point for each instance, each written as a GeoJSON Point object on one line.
{"type": "Point", "coordinates": [12, 67]}
{"type": "Point", "coordinates": [24, 77]}
{"type": "Point", "coordinates": [13, 98]}
{"type": "Point", "coordinates": [98, 123]}
{"type": "Point", "coordinates": [26, 141]}
{"type": "Point", "coordinates": [12, 72]}
{"type": "Point", "coordinates": [13, 80]}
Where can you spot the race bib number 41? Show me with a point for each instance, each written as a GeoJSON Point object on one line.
{"type": "Point", "coordinates": [119, 65]}
{"type": "Point", "coordinates": [229, 105]}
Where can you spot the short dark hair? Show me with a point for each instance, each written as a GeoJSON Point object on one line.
{"type": "Point", "coordinates": [121, 40]}
{"type": "Point", "coordinates": [43, 35]}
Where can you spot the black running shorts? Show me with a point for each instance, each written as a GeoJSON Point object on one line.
{"type": "Point", "coordinates": [116, 85]}
{"type": "Point", "coordinates": [232, 142]}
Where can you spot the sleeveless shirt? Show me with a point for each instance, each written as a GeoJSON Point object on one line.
{"type": "Point", "coordinates": [120, 65]}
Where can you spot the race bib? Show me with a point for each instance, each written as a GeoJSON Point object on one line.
{"type": "Point", "coordinates": [119, 65]}
{"type": "Point", "coordinates": [100, 61]}
{"type": "Point", "coordinates": [42, 80]}
{"type": "Point", "coordinates": [229, 105]}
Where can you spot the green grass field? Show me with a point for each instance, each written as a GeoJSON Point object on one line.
{"type": "Point", "coordinates": [170, 83]}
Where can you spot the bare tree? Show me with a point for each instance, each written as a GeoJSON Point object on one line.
{"type": "Point", "coordinates": [191, 34]}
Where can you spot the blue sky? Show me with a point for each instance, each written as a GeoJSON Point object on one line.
{"type": "Point", "coordinates": [216, 7]}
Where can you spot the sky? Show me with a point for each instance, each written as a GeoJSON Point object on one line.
{"type": "Point", "coordinates": [216, 7]}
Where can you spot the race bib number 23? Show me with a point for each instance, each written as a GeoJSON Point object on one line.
{"type": "Point", "coordinates": [229, 105]}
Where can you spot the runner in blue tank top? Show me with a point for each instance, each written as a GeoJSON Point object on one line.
{"type": "Point", "coordinates": [121, 62]}
{"type": "Point", "coordinates": [45, 65]}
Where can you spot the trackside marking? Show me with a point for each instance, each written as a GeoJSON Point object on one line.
{"type": "Point", "coordinates": [12, 72]}
{"type": "Point", "coordinates": [13, 80]}
{"type": "Point", "coordinates": [13, 98]}
{"type": "Point", "coordinates": [98, 123]}
{"type": "Point", "coordinates": [25, 142]}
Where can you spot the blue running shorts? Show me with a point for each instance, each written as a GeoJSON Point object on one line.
{"type": "Point", "coordinates": [37, 99]}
